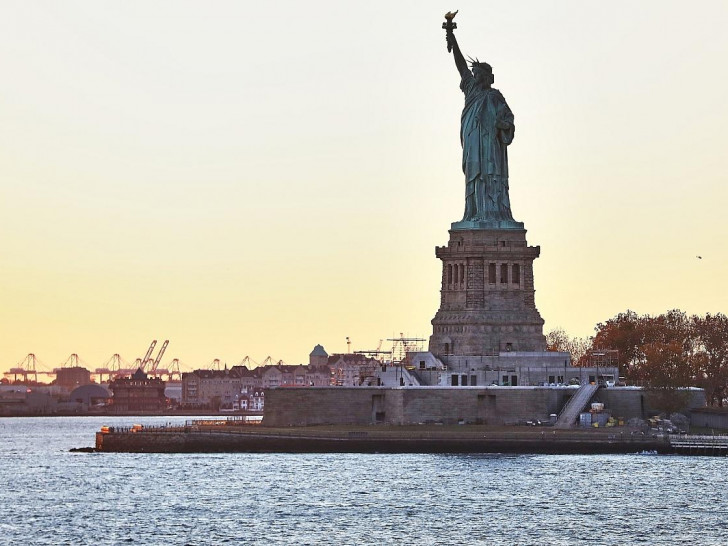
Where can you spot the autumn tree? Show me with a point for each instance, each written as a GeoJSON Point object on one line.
{"type": "Point", "coordinates": [666, 368]}
{"type": "Point", "coordinates": [664, 357]}
{"type": "Point", "coordinates": [558, 340]}
{"type": "Point", "coordinates": [711, 333]}
{"type": "Point", "coordinates": [623, 333]}
{"type": "Point", "coordinates": [663, 352]}
{"type": "Point", "coordinates": [631, 334]}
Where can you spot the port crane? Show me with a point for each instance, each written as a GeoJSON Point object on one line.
{"type": "Point", "coordinates": [142, 363]}
{"type": "Point", "coordinates": [71, 362]}
{"type": "Point", "coordinates": [248, 363]}
{"type": "Point", "coordinates": [174, 373]}
{"type": "Point", "coordinates": [155, 365]}
{"type": "Point", "coordinates": [269, 362]}
{"type": "Point", "coordinates": [111, 367]}
{"type": "Point", "coordinates": [24, 368]}
{"type": "Point", "coordinates": [149, 354]}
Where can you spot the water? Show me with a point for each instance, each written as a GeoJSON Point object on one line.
{"type": "Point", "coordinates": [51, 496]}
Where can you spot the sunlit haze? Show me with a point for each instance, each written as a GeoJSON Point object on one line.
{"type": "Point", "coordinates": [247, 178]}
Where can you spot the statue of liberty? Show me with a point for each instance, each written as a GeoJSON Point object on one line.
{"type": "Point", "coordinates": [486, 130]}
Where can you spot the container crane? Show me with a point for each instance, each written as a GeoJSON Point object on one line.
{"type": "Point", "coordinates": [248, 363]}
{"type": "Point", "coordinates": [25, 367]}
{"type": "Point", "coordinates": [111, 367]}
{"type": "Point", "coordinates": [155, 364]}
{"type": "Point", "coordinates": [149, 353]}
{"type": "Point", "coordinates": [174, 373]}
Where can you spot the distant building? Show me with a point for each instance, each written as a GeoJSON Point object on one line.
{"type": "Point", "coordinates": [229, 389]}
{"type": "Point", "coordinates": [353, 370]}
{"type": "Point", "coordinates": [70, 378]}
{"type": "Point", "coordinates": [257, 400]}
{"type": "Point", "coordinates": [24, 400]}
{"type": "Point", "coordinates": [216, 389]}
{"type": "Point", "coordinates": [90, 396]}
{"type": "Point", "coordinates": [138, 393]}
{"type": "Point", "coordinates": [285, 375]}
{"type": "Point", "coordinates": [173, 392]}
{"type": "Point", "coordinates": [251, 399]}
{"type": "Point", "coordinates": [318, 357]}
{"type": "Point", "coordinates": [507, 369]}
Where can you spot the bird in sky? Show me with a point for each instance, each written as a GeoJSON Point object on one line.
{"type": "Point", "coordinates": [699, 257]}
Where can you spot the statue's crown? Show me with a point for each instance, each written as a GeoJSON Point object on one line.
{"type": "Point", "coordinates": [475, 63]}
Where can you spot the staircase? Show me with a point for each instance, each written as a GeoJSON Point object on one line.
{"type": "Point", "coordinates": [411, 377]}
{"type": "Point", "coordinates": [575, 406]}
{"type": "Point", "coordinates": [417, 379]}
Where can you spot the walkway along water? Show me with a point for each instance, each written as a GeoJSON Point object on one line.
{"type": "Point", "coordinates": [216, 436]}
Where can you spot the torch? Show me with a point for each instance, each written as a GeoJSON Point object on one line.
{"type": "Point", "coordinates": [449, 26]}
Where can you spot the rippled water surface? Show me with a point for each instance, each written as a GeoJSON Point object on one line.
{"type": "Point", "coordinates": [51, 496]}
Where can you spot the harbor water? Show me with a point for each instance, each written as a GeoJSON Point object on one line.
{"type": "Point", "coordinates": [52, 496]}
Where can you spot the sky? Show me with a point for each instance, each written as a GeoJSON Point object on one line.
{"type": "Point", "coordinates": [249, 179]}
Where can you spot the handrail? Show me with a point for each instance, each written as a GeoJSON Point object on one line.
{"type": "Point", "coordinates": [580, 392]}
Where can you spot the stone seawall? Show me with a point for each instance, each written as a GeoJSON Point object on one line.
{"type": "Point", "coordinates": [444, 405]}
{"type": "Point", "coordinates": [404, 406]}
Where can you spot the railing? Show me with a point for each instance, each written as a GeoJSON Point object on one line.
{"type": "Point", "coordinates": [699, 445]}
{"type": "Point", "coordinates": [399, 434]}
{"type": "Point", "coordinates": [698, 440]}
{"type": "Point", "coordinates": [236, 421]}
{"type": "Point", "coordinates": [143, 428]}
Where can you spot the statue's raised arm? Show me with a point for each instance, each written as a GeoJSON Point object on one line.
{"type": "Point", "coordinates": [452, 44]}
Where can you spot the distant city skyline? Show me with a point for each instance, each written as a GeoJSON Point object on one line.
{"type": "Point", "coordinates": [249, 182]}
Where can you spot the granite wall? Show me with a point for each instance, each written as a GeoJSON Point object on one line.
{"type": "Point", "coordinates": [404, 406]}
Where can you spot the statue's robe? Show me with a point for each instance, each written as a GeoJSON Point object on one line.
{"type": "Point", "coordinates": [486, 130]}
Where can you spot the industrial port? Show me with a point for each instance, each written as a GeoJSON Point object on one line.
{"type": "Point", "coordinates": [148, 384]}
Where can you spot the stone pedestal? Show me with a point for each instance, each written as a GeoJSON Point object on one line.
{"type": "Point", "coordinates": [487, 296]}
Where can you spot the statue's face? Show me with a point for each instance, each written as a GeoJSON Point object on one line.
{"type": "Point", "coordinates": [482, 76]}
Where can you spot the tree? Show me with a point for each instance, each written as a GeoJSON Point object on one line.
{"type": "Point", "coordinates": [623, 333]}
{"type": "Point", "coordinates": [631, 334]}
{"type": "Point", "coordinates": [664, 352]}
{"type": "Point", "coordinates": [711, 333]}
{"type": "Point", "coordinates": [667, 365]}
{"type": "Point", "coordinates": [666, 370]}
{"type": "Point", "coordinates": [558, 340]}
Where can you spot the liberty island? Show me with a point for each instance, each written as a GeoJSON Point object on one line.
{"type": "Point", "coordinates": [487, 364]}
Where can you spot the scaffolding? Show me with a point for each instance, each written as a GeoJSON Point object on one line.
{"type": "Point", "coordinates": [402, 345]}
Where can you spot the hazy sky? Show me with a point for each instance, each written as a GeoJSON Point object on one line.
{"type": "Point", "coordinates": [247, 178]}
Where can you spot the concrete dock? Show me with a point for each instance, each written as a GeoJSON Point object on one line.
{"type": "Point", "coordinates": [221, 437]}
